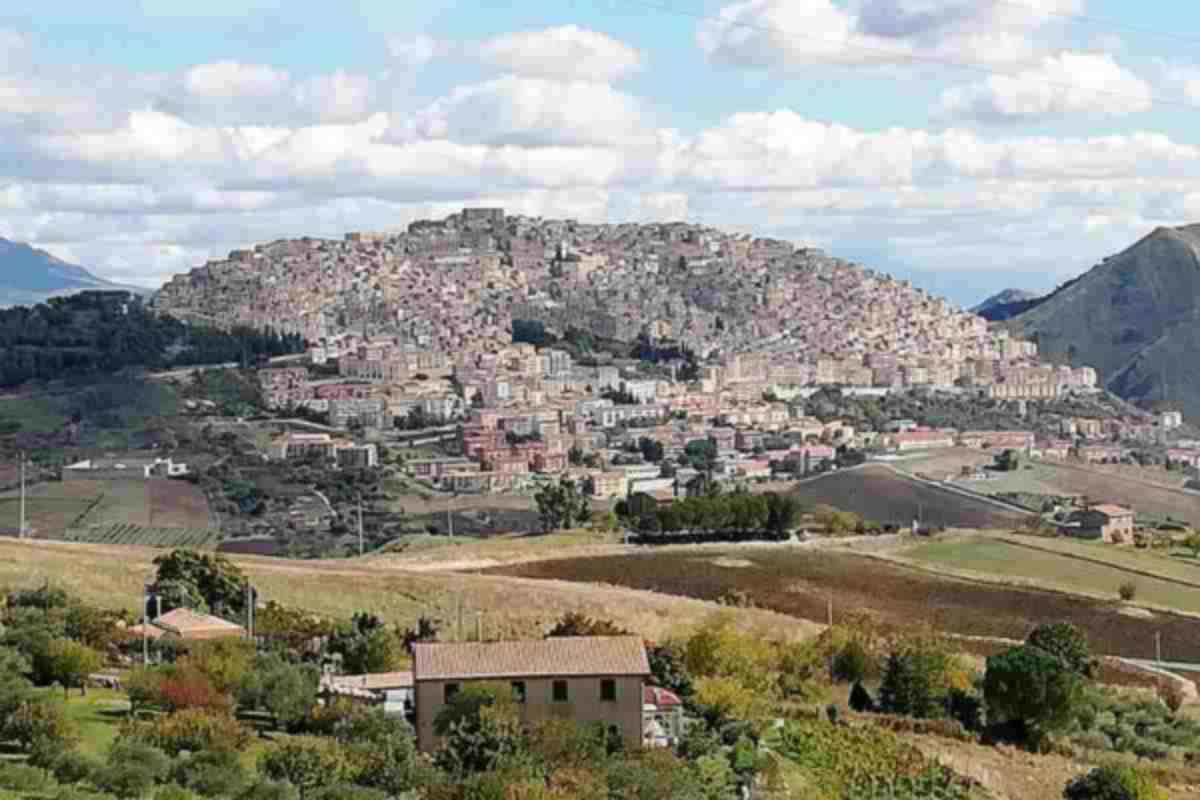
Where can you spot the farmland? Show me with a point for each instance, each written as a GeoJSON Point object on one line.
{"type": "Point", "coordinates": [113, 577]}
{"type": "Point", "coordinates": [802, 582]}
{"type": "Point", "coordinates": [880, 494]}
{"type": "Point", "coordinates": [160, 512]}
{"type": "Point", "coordinates": [1127, 486]}
{"type": "Point", "coordinates": [1005, 559]}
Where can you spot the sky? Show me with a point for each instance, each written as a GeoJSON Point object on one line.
{"type": "Point", "coordinates": [969, 145]}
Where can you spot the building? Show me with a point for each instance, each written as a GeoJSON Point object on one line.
{"type": "Point", "coordinates": [138, 469]}
{"type": "Point", "coordinates": [392, 690]}
{"type": "Point", "coordinates": [183, 623]}
{"type": "Point", "coordinates": [1110, 523]}
{"type": "Point", "coordinates": [584, 679]}
{"type": "Point", "coordinates": [663, 720]}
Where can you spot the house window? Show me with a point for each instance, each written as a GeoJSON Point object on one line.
{"type": "Point", "coordinates": [608, 690]}
{"type": "Point", "coordinates": [449, 690]}
{"type": "Point", "coordinates": [560, 694]}
{"type": "Point", "coordinates": [518, 690]}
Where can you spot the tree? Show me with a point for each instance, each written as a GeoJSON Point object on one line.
{"type": "Point", "coordinates": [860, 699]}
{"type": "Point", "coordinates": [915, 679]}
{"type": "Point", "coordinates": [211, 773]}
{"type": "Point", "coordinates": [652, 451]}
{"type": "Point", "coordinates": [1192, 542]}
{"type": "Point", "coordinates": [41, 729]}
{"type": "Point", "coordinates": [1113, 782]}
{"type": "Point", "coordinates": [1030, 691]}
{"type": "Point", "coordinates": [305, 762]}
{"type": "Point", "coordinates": [1067, 643]}
{"type": "Point", "coordinates": [1127, 591]}
{"type": "Point", "coordinates": [217, 580]}
{"type": "Point", "coordinates": [382, 753]}
{"type": "Point", "coordinates": [574, 623]}
{"type": "Point", "coordinates": [367, 645]}
{"type": "Point", "coordinates": [14, 686]}
{"type": "Point", "coordinates": [782, 512]}
{"type": "Point", "coordinates": [132, 768]}
{"type": "Point", "coordinates": [561, 505]}
{"type": "Point", "coordinates": [287, 691]}
{"type": "Point", "coordinates": [1009, 461]}
{"type": "Point", "coordinates": [481, 726]}
{"type": "Point", "coordinates": [70, 663]}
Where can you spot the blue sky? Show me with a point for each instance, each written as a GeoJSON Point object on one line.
{"type": "Point", "coordinates": [972, 145]}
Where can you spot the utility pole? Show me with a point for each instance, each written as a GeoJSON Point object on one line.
{"type": "Point", "coordinates": [450, 521]}
{"type": "Point", "coordinates": [829, 609]}
{"type": "Point", "coordinates": [1158, 646]}
{"type": "Point", "coordinates": [479, 626]}
{"type": "Point", "coordinates": [21, 528]}
{"type": "Point", "coordinates": [360, 525]}
{"type": "Point", "coordinates": [145, 627]}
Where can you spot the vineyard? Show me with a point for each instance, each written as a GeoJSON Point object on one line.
{"type": "Point", "coordinates": [126, 533]}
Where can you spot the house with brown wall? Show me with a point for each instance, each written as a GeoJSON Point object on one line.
{"type": "Point", "coordinates": [585, 679]}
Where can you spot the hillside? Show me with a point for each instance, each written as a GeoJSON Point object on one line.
{"type": "Point", "coordinates": [29, 275]}
{"type": "Point", "coordinates": [1131, 317]}
{"type": "Point", "coordinates": [1002, 304]}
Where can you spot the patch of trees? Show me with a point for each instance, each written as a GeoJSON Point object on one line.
{"type": "Point", "coordinates": [562, 505]}
{"type": "Point", "coordinates": [104, 332]}
{"type": "Point", "coordinates": [731, 517]}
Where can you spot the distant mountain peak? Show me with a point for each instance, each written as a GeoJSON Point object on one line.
{"type": "Point", "coordinates": [29, 275]}
{"type": "Point", "coordinates": [1006, 304]}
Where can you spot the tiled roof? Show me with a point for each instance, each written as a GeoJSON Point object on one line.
{"type": "Point", "coordinates": [188, 624]}
{"type": "Point", "coordinates": [659, 697]}
{"type": "Point", "coordinates": [557, 656]}
{"type": "Point", "coordinates": [1112, 510]}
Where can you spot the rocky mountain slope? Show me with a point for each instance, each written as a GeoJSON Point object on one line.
{"type": "Point", "coordinates": [1134, 318]}
{"type": "Point", "coordinates": [1006, 304]}
{"type": "Point", "coordinates": [29, 275]}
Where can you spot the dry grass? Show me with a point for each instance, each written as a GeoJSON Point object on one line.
{"type": "Point", "coordinates": [471, 554]}
{"type": "Point", "coordinates": [177, 504]}
{"type": "Point", "coordinates": [512, 607]}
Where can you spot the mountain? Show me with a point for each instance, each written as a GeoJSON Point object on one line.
{"type": "Point", "coordinates": [1134, 317]}
{"type": "Point", "coordinates": [1006, 304]}
{"type": "Point", "coordinates": [29, 275]}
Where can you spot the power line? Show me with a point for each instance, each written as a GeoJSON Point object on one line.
{"type": "Point", "coordinates": [907, 57]}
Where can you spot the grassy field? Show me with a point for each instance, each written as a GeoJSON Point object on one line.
{"type": "Point", "coordinates": [880, 494]}
{"type": "Point", "coordinates": [999, 558]}
{"type": "Point", "coordinates": [802, 582]}
{"type": "Point", "coordinates": [112, 577]}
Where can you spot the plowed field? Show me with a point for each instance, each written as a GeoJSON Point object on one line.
{"type": "Point", "coordinates": [801, 582]}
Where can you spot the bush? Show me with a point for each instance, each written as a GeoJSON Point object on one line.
{"type": "Point", "coordinates": [860, 699]}
{"type": "Point", "coordinates": [211, 774]}
{"type": "Point", "coordinates": [23, 778]}
{"type": "Point", "coordinates": [1113, 783]}
{"type": "Point", "coordinates": [851, 664]}
{"type": "Point", "coordinates": [270, 790]}
{"type": "Point", "coordinates": [172, 792]}
{"type": "Point", "coordinates": [73, 767]}
{"type": "Point", "coordinates": [916, 679]}
{"type": "Point", "coordinates": [133, 768]}
{"type": "Point", "coordinates": [191, 729]}
{"type": "Point", "coordinates": [1127, 591]}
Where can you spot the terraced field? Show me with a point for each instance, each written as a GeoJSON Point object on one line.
{"type": "Point", "coordinates": [125, 533]}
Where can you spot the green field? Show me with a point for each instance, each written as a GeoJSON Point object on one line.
{"type": "Point", "coordinates": [1012, 561]}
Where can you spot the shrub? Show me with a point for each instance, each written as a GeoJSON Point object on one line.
{"type": "Point", "coordinates": [173, 792]}
{"type": "Point", "coordinates": [132, 769]}
{"type": "Point", "coordinates": [191, 729]}
{"type": "Point", "coordinates": [188, 687]}
{"type": "Point", "coordinates": [270, 790]}
{"type": "Point", "coordinates": [73, 767]}
{"type": "Point", "coordinates": [966, 708]}
{"type": "Point", "coordinates": [1172, 695]}
{"type": "Point", "coordinates": [1127, 591]}
{"type": "Point", "coordinates": [1113, 783]}
{"type": "Point", "coordinates": [860, 699]}
{"type": "Point", "coordinates": [916, 679]}
{"type": "Point", "coordinates": [305, 762]}
{"type": "Point", "coordinates": [23, 778]}
{"type": "Point", "coordinates": [211, 774]}
{"type": "Point", "coordinates": [851, 664]}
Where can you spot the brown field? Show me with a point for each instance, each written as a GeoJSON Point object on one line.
{"type": "Point", "coordinates": [113, 577]}
{"type": "Point", "coordinates": [177, 504]}
{"type": "Point", "coordinates": [801, 583]}
{"type": "Point", "coordinates": [881, 495]}
{"type": "Point", "coordinates": [1101, 487]}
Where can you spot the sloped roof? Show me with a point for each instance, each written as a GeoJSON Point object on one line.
{"type": "Point", "coordinates": [188, 624]}
{"type": "Point", "coordinates": [659, 697]}
{"type": "Point", "coordinates": [376, 681]}
{"type": "Point", "coordinates": [554, 657]}
{"type": "Point", "coordinates": [1112, 510]}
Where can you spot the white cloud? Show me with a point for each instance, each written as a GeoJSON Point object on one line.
{"type": "Point", "coordinates": [416, 51]}
{"type": "Point", "coordinates": [1182, 79]}
{"type": "Point", "coordinates": [1069, 83]}
{"type": "Point", "coordinates": [338, 96]}
{"type": "Point", "coordinates": [567, 52]}
{"type": "Point", "coordinates": [524, 111]}
{"type": "Point", "coordinates": [788, 35]}
{"type": "Point", "coordinates": [230, 79]}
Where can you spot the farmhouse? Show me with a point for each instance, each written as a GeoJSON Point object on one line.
{"type": "Point", "coordinates": [585, 679]}
{"type": "Point", "coordinates": [183, 623]}
{"type": "Point", "coordinates": [1109, 523]}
